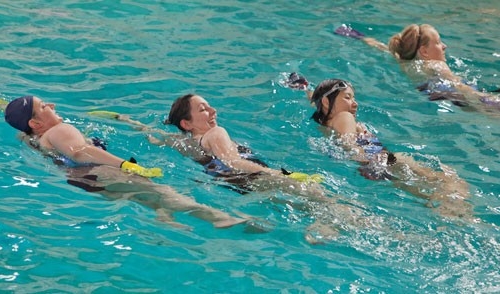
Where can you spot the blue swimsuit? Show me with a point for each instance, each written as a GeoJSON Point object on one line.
{"type": "Point", "coordinates": [85, 182]}
{"type": "Point", "coordinates": [440, 89]}
{"type": "Point", "coordinates": [370, 145]}
{"type": "Point", "coordinates": [373, 169]}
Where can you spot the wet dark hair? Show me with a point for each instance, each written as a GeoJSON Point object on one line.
{"type": "Point", "coordinates": [323, 88]}
{"type": "Point", "coordinates": [181, 109]}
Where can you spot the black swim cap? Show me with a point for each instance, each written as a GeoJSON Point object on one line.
{"type": "Point", "coordinates": [19, 112]}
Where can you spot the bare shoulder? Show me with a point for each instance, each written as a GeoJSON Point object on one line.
{"type": "Point", "coordinates": [61, 130]}
{"type": "Point", "coordinates": [215, 140]}
{"type": "Point", "coordinates": [63, 127]}
{"type": "Point", "coordinates": [361, 128]}
{"type": "Point", "coordinates": [345, 116]}
{"type": "Point", "coordinates": [216, 133]}
{"type": "Point", "coordinates": [435, 64]}
{"type": "Point", "coordinates": [439, 68]}
{"type": "Point", "coordinates": [344, 123]}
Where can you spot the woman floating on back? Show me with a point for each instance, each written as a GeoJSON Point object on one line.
{"type": "Point", "coordinates": [421, 54]}
{"type": "Point", "coordinates": [210, 145]}
{"type": "Point", "coordinates": [224, 158]}
{"type": "Point", "coordinates": [91, 167]}
{"type": "Point", "coordinates": [336, 110]}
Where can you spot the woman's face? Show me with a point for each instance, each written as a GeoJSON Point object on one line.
{"type": "Point", "coordinates": [435, 49]}
{"type": "Point", "coordinates": [345, 102]}
{"type": "Point", "coordinates": [203, 117]}
{"type": "Point", "coordinates": [44, 113]}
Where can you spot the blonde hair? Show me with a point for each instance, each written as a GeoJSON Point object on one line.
{"type": "Point", "coordinates": [405, 44]}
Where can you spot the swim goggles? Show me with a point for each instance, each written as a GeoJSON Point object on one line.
{"type": "Point", "coordinates": [341, 85]}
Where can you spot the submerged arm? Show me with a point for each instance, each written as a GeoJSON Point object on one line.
{"type": "Point", "coordinates": [169, 139]}
{"type": "Point", "coordinates": [475, 98]}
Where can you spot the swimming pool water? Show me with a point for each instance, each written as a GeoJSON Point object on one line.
{"type": "Point", "coordinates": [136, 57]}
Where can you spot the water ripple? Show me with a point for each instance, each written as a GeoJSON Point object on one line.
{"type": "Point", "coordinates": [136, 57]}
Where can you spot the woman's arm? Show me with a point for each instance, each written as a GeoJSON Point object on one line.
{"type": "Point", "coordinates": [345, 126]}
{"type": "Point", "coordinates": [217, 142]}
{"type": "Point", "coordinates": [476, 99]}
{"type": "Point", "coordinates": [180, 142]}
{"type": "Point", "coordinates": [347, 31]}
{"type": "Point", "coordinates": [376, 44]}
{"type": "Point", "coordinates": [67, 140]}
{"type": "Point", "coordinates": [169, 139]}
{"type": "Point", "coordinates": [344, 123]}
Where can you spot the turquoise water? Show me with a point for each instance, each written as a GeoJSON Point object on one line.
{"type": "Point", "coordinates": [136, 57]}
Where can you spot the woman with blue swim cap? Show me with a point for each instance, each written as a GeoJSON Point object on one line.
{"type": "Point", "coordinates": [47, 131]}
{"type": "Point", "coordinates": [96, 170]}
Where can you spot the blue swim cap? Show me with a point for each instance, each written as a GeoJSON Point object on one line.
{"type": "Point", "coordinates": [19, 112]}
